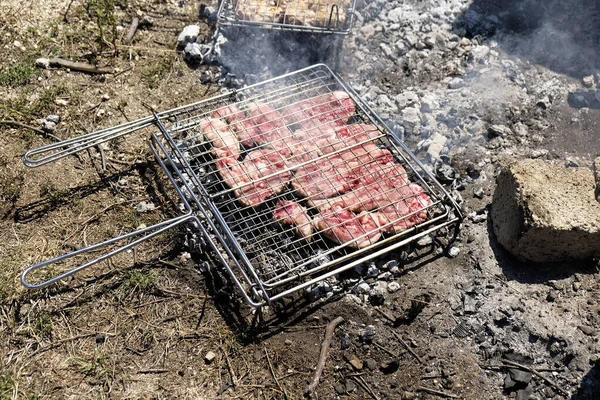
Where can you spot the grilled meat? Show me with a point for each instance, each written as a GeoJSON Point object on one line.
{"type": "Point", "coordinates": [326, 14]}
{"type": "Point", "coordinates": [292, 213]}
{"type": "Point", "coordinates": [261, 10]}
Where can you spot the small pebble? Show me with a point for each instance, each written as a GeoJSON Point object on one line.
{"type": "Point", "coordinates": [454, 251]}
{"type": "Point", "coordinates": [210, 357]}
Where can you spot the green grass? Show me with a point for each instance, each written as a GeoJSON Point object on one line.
{"type": "Point", "coordinates": [43, 326]}
{"type": "Point", "coordinates": [97, 367]}
{"type": "Point", "coordinates": [7, 385]}
{"type": "Point", "coordinates": [17, 74]}
{"type": "Point", "coordinates": [138, 281]}
{"type": "Point", "coordinates": [54, 195]}
{"type": "Point", "coordinates": [153, 74]}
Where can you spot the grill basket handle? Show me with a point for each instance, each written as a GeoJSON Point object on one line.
{"type": "Point", "coordinates": [154, 229]}
{"type": "Point", "coordinates": [149, 232]}
{"type": "Point", "coordinates": [56, 151]}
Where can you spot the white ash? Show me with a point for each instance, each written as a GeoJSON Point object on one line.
{"type": "Point", "coordinates": [144, 207]}
{"type": "Point", "coordinates": [189, 34]}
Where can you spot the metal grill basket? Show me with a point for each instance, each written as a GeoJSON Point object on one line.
{"type": "Point", "coordinates": [266, 259]}
{"type": "Point", "coordinates": [321, 16]}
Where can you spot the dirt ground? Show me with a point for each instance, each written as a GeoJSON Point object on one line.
{"type": "Point", "coordinates": [140, 325]}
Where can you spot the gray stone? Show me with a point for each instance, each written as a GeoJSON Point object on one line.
{"type": "Point", "coordinates": [144, 206]}
{"type": "Point", "coordinates": [372, 271]}
{"type": "Point", "coordinates": [411, 118]}
{"type": "Point", "coordinates": [436, 146]}
{"type": "Point", "coordinates": [546, 213]}
{"type": "Point", "coordinates": [361, 288]}
{"type": "Point", "coordinates": [469, 304]}
{"type": "Point", "coordinates": [387, 50]}
{"type": "Point", "coordinates": [480, 53]}
{"type": "Point", "coordinates": [499, 130]}
{"type": "Point", "coordinates": [193, 53]}
{"type": "Point", "coordinates": [454, 251]}
{"type": "Point", "coordinates": [367, 32]}
{"type": "Point", "coordinates": [456, 83]}
{"type": "Point", "coordinates": [406, 99]}
{"type": "Point", "coordinates": [210, 357]}
{"type": "Point", "coordinates": [393, 287]}
{"type": "Point", "coordinates": [189, 34]}
{"type": "Point", "coordinates": [42, 63]}
{"type": "Point", "coordinates": [429, 103]}
{"type": "Point", "coordinates": [53, 118]}
{"type": "Point", "coordinates": [588, 81]}
{"type": "Point", "coordinates": [396, 15]}
{"type": "Point", "coordinates": [425, 241]}
{"type": "Point", "coordinates": [48, 126]}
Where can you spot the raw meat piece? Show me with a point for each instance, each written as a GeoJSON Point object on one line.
{"type": "Point", "coordinates": [230, 114]}
{"type": "Point", "coordinates": [376, 185]}
{"type": "Point", "coordinates": [343, 226]}
{"type": "Point", "coordinates": [251, 178]}
{"type": "Point", "coordinates": [261, 10]}
{"type": "Point", "coordinates": [292, 213]}
{"type": "Point", "coordinates": [326, 14]}
{"type": "Point", "coordinates": [332, 109]}
{"type": "Point", "coordinates": [224, 141]}
{"type": "Point", "coordinates": [321, 179]}
{"type": "Point", "coordinates": [348, 136]}
{"type": "Point", "coordinates": [246, 131]}
{"type": "Point", "coordinates": [397, 213]}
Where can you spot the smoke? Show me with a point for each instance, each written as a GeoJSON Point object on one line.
{"type": "Point", "coordinates": [561, 35]}
{"type": "Point", "coordinates": [253, 55]}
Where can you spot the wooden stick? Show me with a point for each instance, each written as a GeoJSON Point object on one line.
{"type": "Point", "coordinates": [323, 356]}
{"type": "Point", "coordinates": [78, 66]}
{"type": "Point", "coordinates": [538, 374]}
{"type": "Point", "coordinates": [132, 30]}
{"type": "Point", "coordinates": [234, 381]}
{"type": "Point", "coordinates": [437, 392]}
{"type": "Point", "coordinates": [363, 384]}
{"type": "Point", "coordinates": [415, 355]}
{"type": "Point", "coordinates": [285, 396]}
{"type": "Point", "coordinates": [36, 130]}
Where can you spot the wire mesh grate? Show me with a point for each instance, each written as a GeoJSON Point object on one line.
{"type": "Point", "coordinates": [301, 176]}
{"type": "Point", "coordinates": [321, 16]}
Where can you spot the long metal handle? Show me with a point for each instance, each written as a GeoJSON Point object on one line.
{"type": "Point", "coordinates": [154, 229]}
{"type": "Point", "coordinates": [56, 151]}
{"type": "Point", "coordinates": [160, 228]}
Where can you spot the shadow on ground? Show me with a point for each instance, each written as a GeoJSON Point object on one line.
{"type": "Point", "coordinates": [561, 35]}
{"type": "Point", "coordinates": [529, 272]}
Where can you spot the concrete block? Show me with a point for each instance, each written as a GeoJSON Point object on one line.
{"type": "Point", "coordinates": [546, 213]}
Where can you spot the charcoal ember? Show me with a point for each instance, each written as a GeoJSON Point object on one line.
{"type": "Point", "coordinates": [361, 288]}
{"type": "Point", "coordinates": [192, 53]}
{"type": "Point", "coordinates": [345, 340]}
{"type": "Point", "coordinates": [367, 334]}
{"type": "Point", "coordinates": [377, 296]}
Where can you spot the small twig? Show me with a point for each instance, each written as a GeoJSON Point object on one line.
{"type": "Point", "coordinates": [275, 376]}
{"type": "Point", "coordinates": [36, 130]}
{"type": "Point", "coordinates": [67, 11]}
{"type": "Point", "coordinates": [323, 356]}
{"type": "Point", "coordinates": [78, 66]}
{"type": "Point", "coordinates": [391, 353]}
{"type": "Point", "coordinates": [70, 339]}
{"type": "Point", "coordinates": [102, 156]}
{"type": "Point", "coordinates": [363, 384]}
{"type": "Point", "coordinates": [437, 392]}
{"type": "Point", "coordinates": [234, 380]}
{"type": "Point", "coordinates": [153, 371]}
{"type": "Point", "coordinates": [132, 29]}
{"type": "Point", "coordinates": [415, 355]}
{"type": "Point", "coordinates": [538, 374]}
